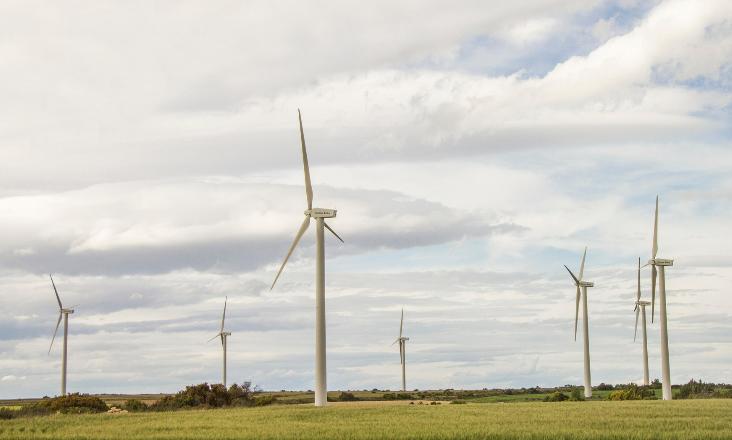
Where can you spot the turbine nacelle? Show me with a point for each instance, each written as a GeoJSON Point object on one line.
{"type": "Point", "coordinates": [660, 262]}
{"type": "Point", "coordinates": [586, 284]}
{"type": "Point", "coordinates": [643, 303]}
{"type": "Point", "coordinates": [320, 213]}
{"type": "Point", "coordinates": [67, 311]}
{"type": "Point", "coordinates": [225, 334]}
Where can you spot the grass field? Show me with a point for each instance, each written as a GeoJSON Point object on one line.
{"type": "Point", "coordinates": [692, 419]}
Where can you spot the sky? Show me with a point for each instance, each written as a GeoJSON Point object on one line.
{"type": "Point", "coordinates": [152, 164]}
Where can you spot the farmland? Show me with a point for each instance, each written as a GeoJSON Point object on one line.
{"type": "Point", "coordinates": [694, 419]}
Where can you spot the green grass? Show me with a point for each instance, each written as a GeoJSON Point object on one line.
{"type": "Point", "coordinates": [692, 419]}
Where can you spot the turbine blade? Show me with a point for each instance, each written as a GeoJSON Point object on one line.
{"type": "Point", "coordinates": [576, 313]}
{"type": "Point", "coordinates": [219, 334]}
{"type": "Point", "coordinates": [400, 323]}
{"type": "Point", "coordinates": [576, 281]}
{"type": "Point", "coordinates": [300, 233]}
{"type": "Point", "coordinates": [54, 332]}
{"type": "Point", "coordinates": [401, 356]}
{"type": "Point", "coordinates": [57, 297]}
{"type": "Point", "coordinates": [582, 268]}
{"type": "Point", "coordinates": [653, 290]}
{"type": "Point", "coordinates": [222, 340]}
{"type": "Point", "coordinates": [637, 311]}
{"type": "Point", "coordinates": [392, 344]}
{"type": "Point", "coordinates": [655, 232]}
{"type": "Point", "coordinates": [224, 317]}
{"type": "Point", "coordinates": [339, 238]}
{"type": "Point", "coordinates": [645, 265]}
{"type": "Point", "coordinates": [639, 291]}
{"type": "Point", "coordinates": [308, 187]}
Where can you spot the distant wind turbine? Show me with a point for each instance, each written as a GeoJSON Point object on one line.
{"type": "Point", "coordinates": [402, 351]}
{"type": "Point", "coordinates": [319, 214]}
{"type": "Point", "coordinates": [585, 329]}
{"type": "Point", "coordinates": [642, 304]}
{"type": "Point", "coordinates": [661, 263]}
{"type": "Point", "coordinates": [223, 336]}
{"type": "Point", "coordinates": [65, 314]}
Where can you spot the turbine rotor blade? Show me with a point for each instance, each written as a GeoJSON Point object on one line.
{"type": "Point", "coordinates": [328, 227]}
{"type": "Point", "coordinates": [576, 313]}
{"type": "Point", "coordinates": [392, 344]}
{"type": "Point", "coordinates": [637, 311]}
{"type": "Point", "coordinates": [54, 332]}
{"type": "Point", "coordinates": [576, 281]}
{"type": "Point", "coordinates": [655, 232]}
{"type": "Point", "coordinates": [639, 291]}
{"type": "Point", "coordinates": [653, 290]}
{"type": "Point", "coordinates": [400, 323]}
{"type": "Point", "coordinates": [308, 186]}
{"type": "Point", "coordinates": [582, 268]}
{"type": "Point", "coordinates": [223, 317]}
{"type": "Point", "coordinates": [222, 340]}
{"type": "Point", "coordinates": [58, 298]}
{"type": "Point", "coordinates": [401, 355]}
{"type": "Point", "coordinates": [300, 233]}
{"type": "Point", "coordinates": [219, 334]}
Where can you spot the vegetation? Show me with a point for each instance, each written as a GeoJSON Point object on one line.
{"type": "Point", "coordinates": [687, 419]}
{"type": "Point", "coordinates": [633, 392]}
{"type": "Point", "coordinates": [701, 390]}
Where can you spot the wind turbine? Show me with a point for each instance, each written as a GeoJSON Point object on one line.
{"type": "Point", "coordinates": [661, 263]}
{"type": "Point", "coordinates": [402, 351]}
{"type": "Point", "coordinates": [319, 214]}
{"type": "Point", "coordinates": [585, 330]}
{"type": "Point", "coordinates": [223, 336]}
{"type": "Point", "coordinates": [642, 304]}
{"type": "Point", "coordinates": [65, 314]}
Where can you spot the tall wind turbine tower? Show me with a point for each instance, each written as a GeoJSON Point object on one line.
{"type": "Point", "coordinates": [658, 268]}
{"type": "Point", "coordinates": [223, 336]}
{"type": "Point", "coordinates": [319, 214]}
{"type": "Point", "coordinates": [642, 304]}
{"type": "Point", "coordinates": [585, 329]}
{"type": "Point", "coordinates": [402, 351]}
{"type": "Point", "coordinates": [65, 314]}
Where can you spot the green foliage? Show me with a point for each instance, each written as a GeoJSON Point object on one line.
{"type": "Point", "coordinates": [605, 387]}
{"type": "Point", "coordinates": [577, 395]}
{"type": "Point", "coordinates": [458, 402]}
{"type": "Point", "coordinates": [397, 396]}
{"type": "Point", "coordinates": [656, 384]}
{"type": "Point", "coordinates": [6, 413]}
{"type": "Point", "coordinates": [558, 396]}
{"type": "Point", "coordinates": [632, 392]}
{"type": "Point", "coordinates": [205, 396]}
{"type": "Point", "coordinates": [265, 400]}
{"type": "Point", "coordinates": [697, 390]}
{"type": "Point", "coordinates": [347, 397]}
{"type": "Point", "coordinates": [134, 405]}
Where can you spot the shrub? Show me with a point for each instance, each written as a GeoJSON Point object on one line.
{"type": "Point", "coordinates": [577, 395]}
{"type": "Point", "coordinates": [697, 390]}
{"type": "Point", "coordinates": [458, 402]}
{"type": "Point", "coordinates": [558, 396]}
{"type": "Point", "coordinates": [397, 396]}
{"type": "Point", "coordinates": [203, 395]}
{"type": "Point", "coordinates": [265, 400]}
{"type": "Point", "coordinates": [633, 392]}
{"type": "Point", "coordinates": [75, 403]}
{"type": "Point", "coordinates": [656, 384]}
{"type": "Point", "coordinates": [6, 413]}
{"type": "Point", "coordinates": [134, 405]}
{"type": "Point", "coordinates": [605, 387]}
{"type": "Point", "coordinates": [347, 397]}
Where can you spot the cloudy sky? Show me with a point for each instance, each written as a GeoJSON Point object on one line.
{"type": "Point", "coordinates": [151, 163]}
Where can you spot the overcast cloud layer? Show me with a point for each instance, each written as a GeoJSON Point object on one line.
{"type": "Point", "coordinates": [151, 162]}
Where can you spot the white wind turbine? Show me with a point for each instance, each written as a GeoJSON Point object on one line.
{"type": "Point", "coordinates": [402, 351]}
{"type": "Point", "coordinates": [642, 304]}
{"type": "Point", "coordinates": [319, 214]}
{"type": "Point", "coordinates": [65, 314]}
{"type": "Point", "coordinates": [223, 336]}
{"type": "Point", "coordinates": [585, 330]}
{"type": "Point", "coordinates": [661, 263]}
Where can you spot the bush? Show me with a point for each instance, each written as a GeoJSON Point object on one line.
{"type": "Point", "coordinates": [605, 387]}
{"type": "Point", "coordinates": [74, 404]}
{"type": "Point", "coordinates": [458, 402]}
{"type": "Point", "coordinates": [397, 396]}
{"type": "Point", "coordinates": [577, 395]}
{"type": "Point", "coordinates": [6, 413]}
{"type": "Point", "coordinates": [558, 396]}
{"type": "Point", "coordinates": [697, 390]}
{"type": "Point", "coordinates": [656, 384]}
{"type": "Point", "coordinates": [347, 397]}
{"type": "Point", "coordinates": [203, 395]}
{"type": "Point", "coordinates": [265, 400]}
{"type": "Point", "coordinates": [633, 392]}
{"type": "Point", "coordinates": [134, 405]}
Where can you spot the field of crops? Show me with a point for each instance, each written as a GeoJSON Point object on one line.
{"type": "Point", "coordinates": [692, 419]}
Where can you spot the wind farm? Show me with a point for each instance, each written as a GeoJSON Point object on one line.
{"type": "Point", "coordinates": [457, 162]}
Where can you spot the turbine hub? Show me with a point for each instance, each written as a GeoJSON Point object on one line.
{"type": "Point", "coordinates": [225, 334]}
{"type": "Point", "coordinates": [67, 311]}
{"type": "Point", "coordinates": [587, 284]}
{"type": "Point", "coordinates": [320, 213]}
{"type": "Point", "coordinates": [661, 262]}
